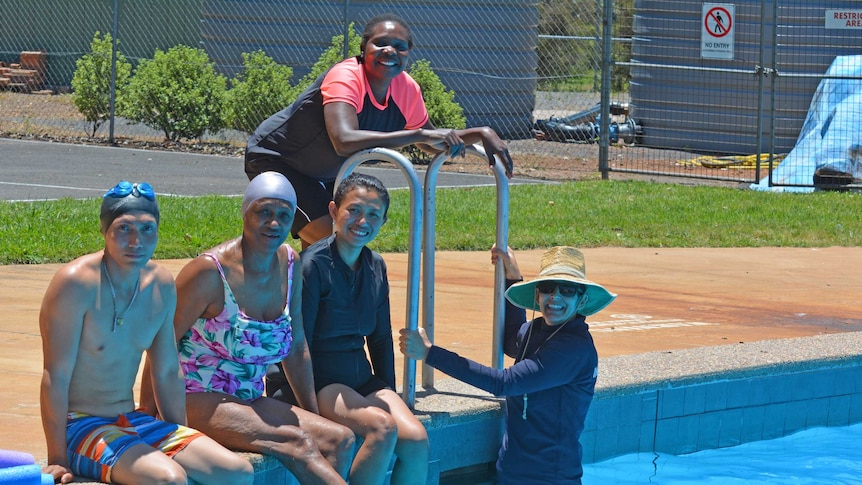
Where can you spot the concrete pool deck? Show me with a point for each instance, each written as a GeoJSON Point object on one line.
{"type": "Point", "coordinates": [672, 302]}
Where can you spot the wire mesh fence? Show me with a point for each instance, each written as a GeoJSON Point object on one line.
{"type": "Point", "coordinates": [696, 89]}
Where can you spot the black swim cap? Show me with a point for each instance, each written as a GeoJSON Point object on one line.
{"type": "Point", "coordinates": [127, 197]}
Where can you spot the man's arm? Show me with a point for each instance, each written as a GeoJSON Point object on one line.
{"type": "Point", "coordinates": [196, 286]}
{"type": "Point", "coordinates": [61, 321]}
{"type": "Point", "coordinates": [297, 365]}
{"type": "Point", "coordinates": [162, 363]}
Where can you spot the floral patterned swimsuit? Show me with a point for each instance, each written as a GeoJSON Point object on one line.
{"type": "Point", "coordinates": [230, 353]}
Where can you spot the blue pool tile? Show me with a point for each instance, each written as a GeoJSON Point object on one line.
{"type": "Point", "coordinates": [666, 435]}
{"type": "Point", "coordinates": [856, 408]}
{"type": "Point", "coordinates": [844, 381]}
{"type": "Point", "coordinates": [731, 428]}
{"type": "Point", "coordinates": [628, 438]}
{"type": "Point", "coordinates": [752, 424]}
{"type": "Point", "coordinates": [588, 444]}
{"type": "Point", "coordinates": [647, 439]}
{"type": "Point", "coordinates": [687, 434]}
{"type": "Point", "coordinates": [716, 396]}
{"type": "Point", "coordinates": [822, 383]}
{"type": "Point", "coordinates": [760, 391]}
{"type": "Point", "coordinates": [839, 411]}
{"type": "Point", "coordinates": [695, 400]}
{"type": "Point", "coordinates": [796, 417]}
{"type": "Point", "coordinates": [630, 412]}
{"type": "Point", "coordinates": [709, 426]}
{"type": "Point", "coordinates": [818, 413]}
{"type": "Point", "coordinates": [671, 403]}
{"type": "Point", "coordinates": [609, 414]}
{"type": "Point", "coordinates": [606, 444]}
{"type": "Point", "coordinates": [773, 420]}
{"type": "Point", "coordinates": [649, 406]}
{"type": "Point", "coordinates": [738, 393]}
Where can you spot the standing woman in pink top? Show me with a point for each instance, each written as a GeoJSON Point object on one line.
{"type": "Point", "coordinates": [362, 102]}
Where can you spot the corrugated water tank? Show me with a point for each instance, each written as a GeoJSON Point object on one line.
{"type": "Point", "coordinates": [485, 51]}
{"type": "Point", "coordinates": [686, 102]}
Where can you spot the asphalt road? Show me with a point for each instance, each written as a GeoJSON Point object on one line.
{"type": "Point", "coordinates": [32, 170]}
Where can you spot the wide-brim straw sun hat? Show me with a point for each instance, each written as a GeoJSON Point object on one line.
{"type": "Point", "coordinates": [563, 264]}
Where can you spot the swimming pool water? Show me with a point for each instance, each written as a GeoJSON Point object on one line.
{"type": "Point", "coordinates": [815, 456]}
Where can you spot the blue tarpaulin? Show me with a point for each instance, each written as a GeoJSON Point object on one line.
{"type": "Point", "coordinates": [831, 136]}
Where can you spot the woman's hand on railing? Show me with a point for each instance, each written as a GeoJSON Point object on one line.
{"type": "Point", "coordinates": [510, 264]}
{"type": "Point", "coordinates": [414, 343]}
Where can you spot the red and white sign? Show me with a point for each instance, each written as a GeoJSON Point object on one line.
{"type": "Point", "coordinates": [844, 19]}
{"type": "Point", "coordinates": [717, 27]}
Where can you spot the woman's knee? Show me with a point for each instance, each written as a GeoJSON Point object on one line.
{"type": "Point", "coordinates": [379, 425]}
{"type": "Point", "coordinates": [343, 439]}
{"type": "Point", "coordinates": [412, 439]}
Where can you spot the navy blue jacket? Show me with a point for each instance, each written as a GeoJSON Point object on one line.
{"type": "Point", "coordinates": [558, 376]}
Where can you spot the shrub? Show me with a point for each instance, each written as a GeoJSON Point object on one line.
{"type": "Point", "coordinates": [177, 92]}
{"type": "Point", "coordinates": [443, 110]}
{"type": "Point", "coordinates": [259, 90]}
{"type": "Point", "coordinates": [91, 82]}
{"type": "Point", "coordinates": [331, 56]}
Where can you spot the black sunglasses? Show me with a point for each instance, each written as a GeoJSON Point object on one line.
{"type": "Point", "coordinates": [567, 290]}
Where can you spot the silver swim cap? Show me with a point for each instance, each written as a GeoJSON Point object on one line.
{"type": "Point", "coordinates": [268, 185]}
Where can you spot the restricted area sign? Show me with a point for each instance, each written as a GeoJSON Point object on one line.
{"type": "Point", "coordinates": [716, 35]}
{"type": "Point", "coordinates": [844, 19]}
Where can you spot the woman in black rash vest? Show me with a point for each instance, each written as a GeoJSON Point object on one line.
{"type": "Point", "coordinates": [345, 309]}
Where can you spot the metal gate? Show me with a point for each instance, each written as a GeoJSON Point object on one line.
{"type": "Point", "coordinates": [721, 90]}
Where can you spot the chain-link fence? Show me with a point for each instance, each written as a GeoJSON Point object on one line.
{"type": "Point", "coordinates": [690, 89]}
{"type": "Point", "coordinates": [734, 83]}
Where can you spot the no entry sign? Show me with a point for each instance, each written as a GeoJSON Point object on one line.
{"type": "Point", "coordinates": [716, 35]}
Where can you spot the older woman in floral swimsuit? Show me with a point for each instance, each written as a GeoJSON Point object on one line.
{"type": "Point", "coordinates": [239, 310]}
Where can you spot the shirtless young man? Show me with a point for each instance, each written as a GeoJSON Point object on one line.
{"type": "Point", "coordinates": [99, 314]}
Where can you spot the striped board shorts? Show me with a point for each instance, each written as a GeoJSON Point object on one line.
{"type": "Point", "coordinates": [94, 444]}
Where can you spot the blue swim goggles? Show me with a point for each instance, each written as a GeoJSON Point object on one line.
{"type": "Point", "coordinates": [124, 188]}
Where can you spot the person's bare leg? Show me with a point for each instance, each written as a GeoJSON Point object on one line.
{"type": "Point", "coordinates": [315, 230]}
{"type": "Point", "coordinates": [208, 462]}
{"type": "Point", "coordinates": [412, 448]}
{"type": "Point", "coordinates": [377, 428]}
{"type": "Point", "coordinates": [270, 427]}
{"type": "Point", "coordinates": [142, 464]}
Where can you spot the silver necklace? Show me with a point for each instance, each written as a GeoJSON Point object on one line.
{"type": "Point", "coordinates": [524, 354]}
{"type": "Point", "coordinates": [118, 317]}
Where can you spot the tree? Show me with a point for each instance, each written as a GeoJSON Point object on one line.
{"type": "Point", "coordinates": [91, 82]}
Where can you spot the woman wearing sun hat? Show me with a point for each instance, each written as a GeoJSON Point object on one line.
{"type": "Point", "coordinates": [550, 386]}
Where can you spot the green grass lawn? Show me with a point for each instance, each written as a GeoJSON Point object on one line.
{"type": "Point", "coordinates": [582, 214]}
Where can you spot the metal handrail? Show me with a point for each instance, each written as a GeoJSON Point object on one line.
{"type": "Point", "coordinates": [429, 244]}
{"type": "Point", "coordinates": [413, 252]}
{"type": "Point", "coordinates": [423, 215]}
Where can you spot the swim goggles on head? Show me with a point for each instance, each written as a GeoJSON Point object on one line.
{"type": "Point", "coordinates": [124, 188]}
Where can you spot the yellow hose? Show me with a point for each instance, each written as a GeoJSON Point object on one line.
{"type": "Point", "coordinates": [734, 161]}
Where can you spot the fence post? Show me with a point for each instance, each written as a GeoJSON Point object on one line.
{"type": "Point", "coordinates": [607, 60]}
{"type": "Point", "coordinates": [112, 97]}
